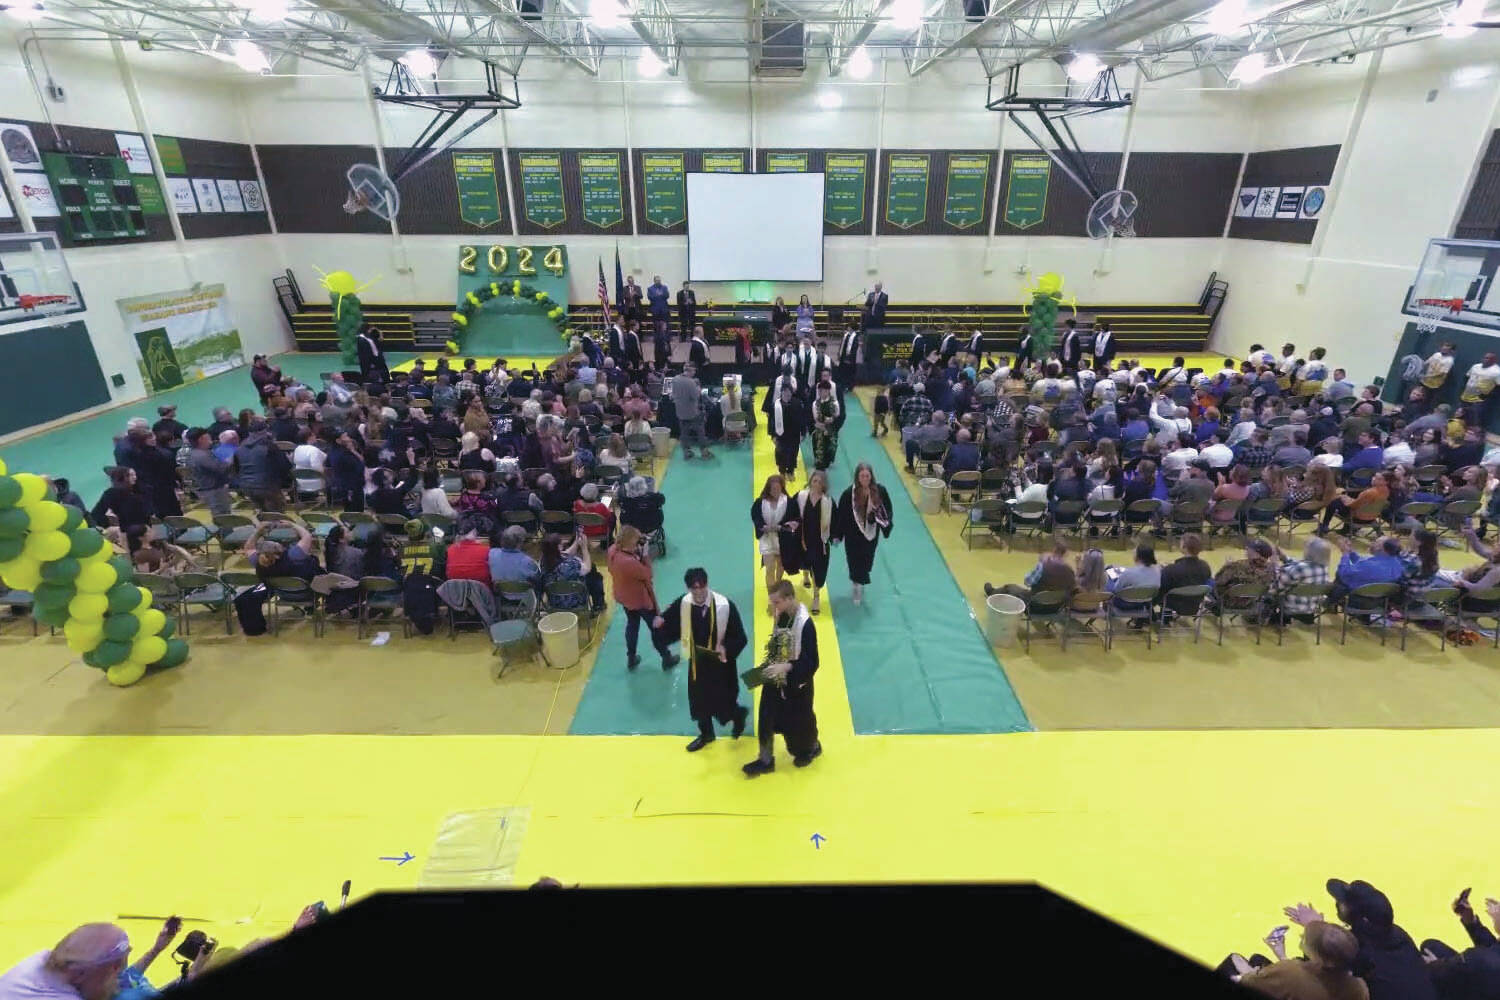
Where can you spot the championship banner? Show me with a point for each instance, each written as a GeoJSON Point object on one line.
{"type": "Point", "coordinates": [182, 336]}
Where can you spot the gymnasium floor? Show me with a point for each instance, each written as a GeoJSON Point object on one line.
{"type": "Point", "coordinates": [1189, 793]}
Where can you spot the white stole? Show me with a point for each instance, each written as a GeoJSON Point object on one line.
{"type": "Point", "coordinates": [825, 513]}
{"type": "Point", "coordinates": [776, 425]}
{"type": "Point", "coordinates": [799, 622]}
{"type": "Point", "coordinates": [947, 342]}
{"type": "Point", "coordinates": [700, 343]}
{"type": "Point", "coordinates": [975, 342]}
{"type": "Point", "coordinates": [718, 623]}
{"type": "Point", "coordinates": [773, 512]}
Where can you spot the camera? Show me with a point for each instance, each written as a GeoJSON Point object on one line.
{"type": "Point", "coordinates": [195, 945]}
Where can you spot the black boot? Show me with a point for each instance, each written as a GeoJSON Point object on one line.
{"type": "Point", "coordinates": [739, 722]}
{"type": "Point", "coordinates": [805, 759]}
{"type": "Point", "coordinates": [757, 767]}
{"type": "Point", "coordinates": [700, 741]}
{"type": "Point", "coordinates": [669, 660]}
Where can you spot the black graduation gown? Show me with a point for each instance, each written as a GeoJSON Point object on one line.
{"type": "Point", "coordinates": [713, 686]}
{"type": "Point", "coordinates": [859, 551]}
{"type": "Point", "coordinates": [789, 441]}
{"type": "Point", "coordinates": [806, 550]}
{"type": "Point", "coordinates": [788, 708]}
{"type": "Point", "coordinates": [784, 537]}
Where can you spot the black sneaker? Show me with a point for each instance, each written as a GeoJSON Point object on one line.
{"type": "Point", "coordinates": [699, 743]}
{"type": "Point", "coordinates": [632, 663]}
{"type": "Point", "coordinates": [739, 723]}
{"type": "Point", "coordinates": [757, 767]}
{"type": "Point", "coordinates": [669, 661]}
{"type": "Point", "coordinates": [808, 758]}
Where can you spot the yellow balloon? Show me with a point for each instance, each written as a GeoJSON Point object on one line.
{"type": "Point", "coordinates": [88, 607]}
{"type": "Point", "coordinates": [1050, 283]}
{"type": "Point", "coordinates": [33, 487]}
{"type": "Point", "coordinates": [105, 554]}
{"type": "Point", "coordinates": [3, 468]}
{"type": "Point", "coordinates": [145, 604]}
{"type": "Point", "coordinates": [21, 573]}
{"type": "Point", "coordinates": [340, 283]}
{"type": "Point", "coordinates": [152, 621]}
{"type": "Point", "coordinates": [127, 673]}
{"type": "Point", "coordinates": [96, 577]}
{"type": "Point", "coordinates": [147, 649]}
{"type": "Point", "coordinates": [80, 641]}
{"type": "Point", "coordinates": [45, 546]}
{"type": "Point", "coordinates": [47, 515]}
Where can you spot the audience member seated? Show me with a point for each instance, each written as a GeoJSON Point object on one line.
{"type": "Point", "coordinates": [640, 507]}
{"type": "Point", "coordinates": [575, 562]}
{"type": "Point", "coordinates": [1363, 509]}
{"type": "Point", "coordinates": [272, 559]}
{"type": "Point", "coordinates": [1052, 573]}
{"type": "Point", "coordinates": [468, 558]}
{"type": "Point", "coordinates": [1144, 572]}
{"type": "Point", "coordinates": [1382, 565]}
{"type": "Point", "coordinates": [1187, 570]}
{"type": "Point", "coordinates": [434, 497]}
{"type": "Point", "coordinates": [588, 502]}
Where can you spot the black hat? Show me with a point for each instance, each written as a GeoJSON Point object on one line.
{"type": "Point", "coordinates": [1362, 900]}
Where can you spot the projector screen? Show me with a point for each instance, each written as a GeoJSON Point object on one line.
{"type": "Point", "coordinates": [755, 227]}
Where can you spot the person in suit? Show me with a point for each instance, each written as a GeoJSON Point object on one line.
{"type": "Point", "coordinates": [948, 346]}
{"type": "Point", "coordinates": [372, 366]}
{"type": "Point", "coordinates": [630, 301]}
{"type": "Point", "coordinates": [975, 347]}
{"type": "Point", "coordinates": [1024, 353]}
{"type": "Point", "coordinates": [1103, 347]}
{"type": "Point", "coordinates": [687, 310]}
{"type": "Point", "coordinates": [918, 348]}
{"type": "Point", "coordinates": [873, 312]}
{"type": "Point", "coordinates": [657, 296]}
{"type": "Point", "coordinates": [634, 359]}
{"type": "Point", "coordinates": [1070, 348]}
{"type": "Point", "coordinates": [616, 334]}
{"type": "Point", "coordinates": [808, 364]}
{"type": "Point", "coordinates": [848, 355]}
{"type": "Point", "coordinates": [698, 353]}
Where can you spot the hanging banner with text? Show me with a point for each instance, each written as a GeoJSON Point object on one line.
{"type": "Point", "coordinates": [1026, 190]}
{"type": "Point", "coordinates": [724, 163]}
{"type": "Point", "coordinates": [665, 185]}
{"type": "Point", "coordinates": [963, 199]}
{"type": "Point", "coordinates": [906, 189]}
{"type": "Point", "coordinates": [844, 178]}
{"type": "Point", "coordinates": [478, 188]}
{"type": "Point", "coordinates": [148, 193]}
{"type": "Point", "coordinates": [182, 336]}
{"type": "Point", "coordinates": [603, 190]}
{"type": "Point", "coordinates": [786, 163]}
{"type": "Point", "coordinates": [542, 189]}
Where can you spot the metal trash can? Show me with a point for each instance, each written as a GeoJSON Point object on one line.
{"type": "Point", "coordinates": [559, 632]}
{"type": "Point", "coordinates": [1003, 619]}
{"type": "Point", "coordinates": [661, 440]}
{"type": "Point", "coordinates": [931, 500]}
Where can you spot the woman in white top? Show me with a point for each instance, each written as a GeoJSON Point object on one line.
{"type": "Point", "coordinates": [434, 499]}
{"type": "Point", "coordinates": [307, 455]}
{"type": "Point", "coordinates": [615, 454]}
{"type": "Point", "coordinates": [770, 514]}
{"type": "Point", "coordinates": [1035, 491]}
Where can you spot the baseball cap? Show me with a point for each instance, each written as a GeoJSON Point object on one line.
{"type": "Point", "coordinates": [1361, 899]}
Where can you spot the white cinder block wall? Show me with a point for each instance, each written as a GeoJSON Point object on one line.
{"type": "Point", "coordinates": [1407, 174]}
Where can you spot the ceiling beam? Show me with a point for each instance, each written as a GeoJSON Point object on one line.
{"type": "Point", "coordinates": [652, 21]}
{"type": "Point", "coordinates": [856, 20]}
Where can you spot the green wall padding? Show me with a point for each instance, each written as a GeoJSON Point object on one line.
{"type": "Point", "coordinates": [50, 372]}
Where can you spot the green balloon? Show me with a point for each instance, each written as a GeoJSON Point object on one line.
{"type": "Point", "coordinates": [166, 630]}
{"type": "Point", "coordinates": [123, 597]}
{"type": "Point", "coordinates": [91, 660]}
{"type": "Point", "coordinates": [53, 616]}
{"type": "Point", "coordinates": [10, 548]}
{"type": "Point", "coordinates": [73, 519]}
{"type": "Point", "coordinates": [121, 627]}
{"type": "Point", "coordinates": [10, 491]}
{"type": "Point", "coordinates": [109, 652]}
{"type": "Point", "coordinates": [124, 572]}
{"type": "Point", "coordinates": [85, 542]}
{"type": "Point", "coordinates": [62, 570]}
{"type": "Point", "coordinates": [14, 522]}
{"type": "Point", "coordinates": [53, 594]}
{"type": "Point", "coordinates": [177, 651]}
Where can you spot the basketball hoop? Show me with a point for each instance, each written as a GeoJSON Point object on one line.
{"type": "Point", "coordinates": [1430, 312]}
{"type": "Point", "coordinates": [370, 190]}
{"type": "Point", "coordinates": [1112, 214]}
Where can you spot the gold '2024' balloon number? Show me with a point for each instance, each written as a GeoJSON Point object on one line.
{"type": "Point", "coordinates": [498, 259]}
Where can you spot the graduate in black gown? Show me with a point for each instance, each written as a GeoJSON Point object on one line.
{"type": "Point", "coordinates": [787, 422]}
{"type": "Point", "coordinates": [786, 701]}
{"type": "Point", "coordinates": [862, 517]}
{"type": "Point", "coordinates": [774, 393]}
{"type": "Point", "coordinates": [711, 643]}
{"type": "Point", "coordinates": [807, 550]}
{"type": "Point", "coordinates": [827, 420]}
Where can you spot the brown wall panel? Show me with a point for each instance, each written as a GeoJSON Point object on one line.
{"type": "Point", "coordinates": [307, 188]}
{"type": "Point", "coordinates": [1181, 194]}
{"type": "Point", "coordinates": [429, 197]}
{"type": "Point", "coordinates": [1302, 166]}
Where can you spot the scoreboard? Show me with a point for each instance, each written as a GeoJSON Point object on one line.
{"type": "Point", "coordinates": [96, 197]}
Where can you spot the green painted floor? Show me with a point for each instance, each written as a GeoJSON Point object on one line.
{"type": "Point", "coordinates": [707, 520]}
{"type": "Point", "coordinates": [914, 659]}
{"type": "Point", "coordinates": [80, 451]}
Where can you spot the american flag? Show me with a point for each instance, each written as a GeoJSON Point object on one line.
{"type": "Point", "coordinates": [603, 290]}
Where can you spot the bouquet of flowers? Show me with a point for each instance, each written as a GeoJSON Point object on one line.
{"type": "Point", "coordinates": [778, 650]}
{"type": "Point", "coordinates": [827, 410]}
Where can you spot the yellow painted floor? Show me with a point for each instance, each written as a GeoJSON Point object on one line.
{"type": "Point", "coordinates": [1194, 837]}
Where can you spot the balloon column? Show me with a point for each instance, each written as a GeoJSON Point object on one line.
{"type": "Point", "coordinates": [475, 300]}
{"type": "Point", "coordinates": [77, 583]}
{"type": "Point", "coordinates": [1045, 299]}
{"type": "Point", "coordinates": [348, 314]}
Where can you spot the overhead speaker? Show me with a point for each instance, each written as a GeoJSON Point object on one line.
{"type": "Point", "coordinates": [531, 10]}
{"type": "Point", "coordinates": [976, 10]}
{"type": "Point", "coordinates": [782, 51]}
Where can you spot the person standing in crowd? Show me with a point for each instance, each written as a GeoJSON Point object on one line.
{"type": "Point", "coordinates": [1436, 368]}
{"type": "Point", "coordinates": [848, 356]}
{"type": "Point", "coordinates": [873, 313]}
{"type": "Point", "coordinates": [1387, 960]}
{"type": "Point", "coordinates": [863, 516]}
{"type": "Point", "coordinates": [630, 300]}
{"type": "Point", "coordinates": [786, 705]}
{"type": "Point", "coordinates": [687, 310]}
{"type": "Point", "coordinates": [661, 343]}
{"type": "Point", "coordinates": [828, 420]}
{"type": "Point", "coordinates": [372, 364]}
{"type": "Point", "coordinates": [687, 397]}
{"type": "Point", "coordinates": [1070, 347]}
{"type": "Point", "coordinates": [698, 351]}
{"type": "Point", "coordinates": [630, 573]}
{"type": "Point", "coordinates": [770, 513]}
{"type": "Point", "coordinates": [658, 302]}
{"type": "Point", "coordinates": [1479, 391]}
{"type": "Point", "coordinates": [806, 547]}
{"type": "Point", "coordinates": [267, 379]}
{"type": "Point", "coordinates": [712, 635]}
{"type": "Point", "coordinates": [130, 506]}
{"type": "Point", "coordinates": [1103, 347]}
{"type": "Point", "coordinates": [805, 321]}
{"type": "Point", "coordinates": [780, 316]}
{"type": "Point", "coordinates": [210, 476]}
{"type": "Point", "coordinates": [786, 424]}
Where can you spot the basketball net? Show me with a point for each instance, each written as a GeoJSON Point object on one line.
{"type": "Point", "coordinates": [356, 202]}
{"type": "Point", "coordinates": [1430, 312]}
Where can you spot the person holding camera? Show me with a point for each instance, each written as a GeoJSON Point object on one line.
{"type": "Point", "coordinates": [631, 576]}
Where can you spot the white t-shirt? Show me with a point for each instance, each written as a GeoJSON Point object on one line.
{"type": "Point", "coordinates": [1262, 357]}
{"type": "Point", "coordinates": [1481, 382]}
{"type": "Point", "coordinates": [1220, 456]}
{"type": "Point", "coordinates": [1175, 461]}
{"type": "Point", "coordinates": [435, 501]}
{"type": "Point", "coordinates": [1398, 454]}
{"type": "Point", "coordinates": [1331, 459]}
{"type": "Point", "coordinates": [1035, 493]}
{"type": "Point", "coordinates": [308, 456]}
{"type": "Point", "coordinates": [1437, 367]}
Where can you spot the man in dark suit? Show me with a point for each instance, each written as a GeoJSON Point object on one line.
{"type": "Point", "coordinates": [616, 334]}
{"type": "Point", "coordinates": [1103, 348]}
{"type": "Point", "coordinates": [1070, 348]}
{"type": "Point", "coordinates": [698, 353]}
{"type": "Point", "coordinates": [873, 313]}
{"type": "Point", "coordinates": [975, 346]}
{"type": "Point", "coordinates": [687, 310]}
{"type": "Point", "coordinates": [657, 294]}
{"type": "Point", "coordinates": [918, 348]}
{"type": "Point", "coordinates": [848, 353]}
{"type": "Point", "coordinates": [1024, 354]}
{"type": "Point", "coordinates": [372, 366]}
{"type": "Point", "coordinates": [948, 346]}
{"type": "Point", "coordinates": [635, 359]}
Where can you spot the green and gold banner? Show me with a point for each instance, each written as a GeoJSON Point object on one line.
{"type": "Point", "coordinates": [478, 188]}
{"type": "Point", "coordinates": [542, 189]}
{"type": "Point", "coordinates": [663, 181]}
{"type": "Point", "coordinates": [148, 193]}
{"type": "Point", "coordinates": [169, 151]}
{"type": "Point", "coordinates": [603, 190]}
{"type": "Point", "coordinates": [963, 200]}
{"type": "Point", "coordinates": [906, 189]}
{"type": "Point", "coordinates": [844, 178]}
{"type": "Point", "coordinates": [724, 163]}
{"type": "Point", "coordinates": [787, 163]}
{"type": "Point", "coordinates": [1026, 190]}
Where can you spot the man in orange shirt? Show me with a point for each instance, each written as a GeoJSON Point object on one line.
{"type": "Point", "coordinates": [1365, 508]}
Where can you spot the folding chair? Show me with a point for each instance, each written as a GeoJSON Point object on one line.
{"type": "Point", "coordinates": [190, 533]}
{"type": "Point", "coordinates": [1048, 607]}
{"type": "Point", "coordinates": [930, 456]}
{"type": "Point", "coordinates": [234, 530]}
{"type": "Point", "coordinates": [515, 599]}
{"type": "Point", "coordinates": [1104, 514]}
{"type": "Point", "coordinates": [444, 450]}
{"type": "Point", "coordinates": [1453, 519]}
{"type": "Point", "coordinates": [452, 482]}
{"type": "Point", "coordinates": [1138, 601]}
{"type": "Point", "coordinates": [1476, 605]}
{"type": "Point", "coordinates": [1182, 599]}
{"type": "Point", "coordinates": [1085, 608]}
{"type": "Point", "coordinates": [1030, 517]}
{"type": "Point", "coordinates": [1185, 518]}
{"type": "Point", "coordinates": [12, 599]}
{"type": "Point", "coordinates": [983, 514]}
{"type": "Point", "coordinates": [642, 451]}
{"type": "Point", "coordinates": [511, 636]}
{"type": "Point", "coordinates": [994, 483]}
{"type": "Point", "coordinates": [1243, 602]}
{"type": "Point", "coordinates": [1374, 599]}
{"type": "Point", "coordinates": [1428, 475]}
{"type": "Point", "coordinates": [1224, 519]}
{"type": "Point", "coordinates": [439, 522]}
{"type": "Point", "coordinates": [165, 595]}
{"type": "Point", "coordinates": [558, 522]}
{"type": "Point", "coordinates": [525, 519]}
{"type": "Point", "coordinates": [307, 487]}
{"type": "Point", "coordinates": [360, 524]}
{"type": "Point", "coordinates": [1413, 515]}
{"type": "Point", "coordinates": [963, 489]}
{"type": "Point", "coordinates": [1436, 604]}
{"type": "Point", "coordinates": [295, 592]}
{"type": "Point", "coordinates": [587, 521]}
{"type": "Point", "coordinates": [1140, 514]}
{"type": "Point", "coordinates": [380, 593]}
{"type": "Point", "coordinates": [1067, 517]}
{"type": "Point", "coordinates": [1262, 514]}
{"type": "Point", "coordinates": [207, 591]}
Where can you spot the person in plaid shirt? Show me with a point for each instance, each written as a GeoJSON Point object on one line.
{"type": "Point", "coordinates": [917, 408]}
{"type": "Point", "coordinates": [1258, 453]}
{"type": "Point", "coordinates": [1311, 568]}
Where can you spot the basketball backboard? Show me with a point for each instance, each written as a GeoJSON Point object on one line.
{"type": "Point", "coordinates": [34, 278]}
{"type": "Point", "coordinates": [1459, 278]}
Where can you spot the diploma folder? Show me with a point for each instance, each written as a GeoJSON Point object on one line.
{"type": "Point", "coordinates": [754, 677]}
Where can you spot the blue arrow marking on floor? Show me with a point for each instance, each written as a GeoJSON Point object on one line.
{"type": "Point", "coordinates": [817, 840]}
{"type": "Point", "coordinates": [403, 859]}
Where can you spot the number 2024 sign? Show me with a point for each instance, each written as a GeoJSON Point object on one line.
{"type": "Point", "coordinates": [516, 262]}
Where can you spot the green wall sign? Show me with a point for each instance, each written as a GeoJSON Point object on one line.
{"type": "Point", "coordinates": [844, 177]}
{"type": "Point", "coordinates": [724, 163]}
{"type": "Point", "coordinates": [788, 163]}
{"type": "Point", "coordinates": [542, 189]}
{"type": "Point", "coordinates": [963, 199]}
{"type": "Point", "coordinates": [148, 192]}
{"type": "Point", "coordinates": [478, 188]}
{"type": "Point", "coordinates": [603, 197]}
{"type": "Point", "coordinates": [662, 179]}
{"type": "Point", "coordinates": [1026, 190]}
{"type": "Point", "coordinates": [906, 189]}
{"type": "Point", "coordinates": [169, 151]}
{"type": "Point", "coordinates": [158, 360]}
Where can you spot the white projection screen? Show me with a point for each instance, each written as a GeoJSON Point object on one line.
{"type": "Point", "coordinates": [755, 227]}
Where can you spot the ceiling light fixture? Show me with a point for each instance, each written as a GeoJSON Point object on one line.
{"type": "Point", "coordinates": [1460, 23]}
{"type": "Point", "coordinates": [249, 57]}
{"type": "Point", "coordinates": [605, 13]}
{"type": "Point", "coordinates": [1083, 67]}
{"type": "Point", "coordinates": [420, 62]}
{"type": "Point", "coordinates": [25, 10]}
{"type": "Point", "coordinates": [906, 15]}
{"type": "Point", "coordinates": [266, 10]}
{"type": "Point", "coordinates": [1252, 68]}
{"type": "Point", "coordinates": [830, 100]}
{"type": "Point", "coordinates": [1228, 17]}
{"type": "Point", "coordinates": [859, 65]}
{"type": "Point", "coordinates": [649, 64]}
